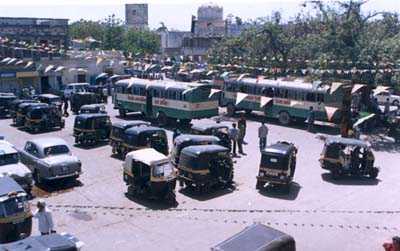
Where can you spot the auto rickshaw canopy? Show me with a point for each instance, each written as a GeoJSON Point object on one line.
{"type": "Point", "coordinates": [147, 156]}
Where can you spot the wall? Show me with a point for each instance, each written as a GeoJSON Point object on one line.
{"type": "Point", "coordinates": [136, 16]}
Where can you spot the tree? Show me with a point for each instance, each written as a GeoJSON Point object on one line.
{"type": "Point", "coordinates": [141, 42]}
{"type": "Point", "coordinates": [113, 35]}
{"type": "Point", "coordinates": [86, 28]}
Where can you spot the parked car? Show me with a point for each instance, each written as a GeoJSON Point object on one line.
{"type": "Point", "coordinates": [10, 165]}
{"type": "Point", "coordinates": [75, 88]}
{"type": "Point", "coordinates": [383, 95]}
{"type": "Point", "coordinates": [50, 159]}
{"type": "Point", "coordinates": [52, 242]}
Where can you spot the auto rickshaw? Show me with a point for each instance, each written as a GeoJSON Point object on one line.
{"type": "Point", "coordinates": [22, 111]}
{"type": "Point", "coordinates": [348, 157]}
{"type": "Point", "coordinates": [83, 98]}
{"type": "Point", "coordinates": [43, 117]}
{"type": "Point", "coordinates": [5, 103]}
{"type": "Point", "coordinates": [258, 237]}
{"type": "Point", "coordinates": [91, 128]}
{"type": "Point", "coordinates": [118, 132]}
{"type": "Point", "coordinates": [15, 104]}
{"type": "Point", "coordinates": [278, 164]}
{"type": "Point", "coordinates": [204, 167]}
{"type": "Point", "coordinates": [139, 137]}
{"type": "Point", "coordinates": [50, 99]}
{"type": "Point", "coordinates": [147, 171]}
{"type": "Point", "coordinates": [15, 212]}
{"type": "Point", "coordinates": [185, 140]}
{"type": "Point", "coordinates": [216, 129]}
{"type": "Point", "coordinates": [100, 91]}
{"type": "Point", "coordinates": [93, 108]}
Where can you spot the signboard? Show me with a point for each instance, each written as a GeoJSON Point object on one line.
{"type": "Point", "coordinates": [27, 74]}
{"type": "Point", "coordinates": [7, 75]}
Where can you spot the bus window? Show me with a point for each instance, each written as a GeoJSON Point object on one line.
{"type": "Point", "coordinates": [282, 93]}
{"type": "Point", "coordinates": [135, 90]}
{"type": "Point", "coordinates": [268, 92]}
{"type": "Point", "coordinates": [171, 94]}
{"type": "Point", "coordinates": [243, 89]}
{"type": "Point", "coordinates": [292, 94]}
{"type": "Point", "coordinates": [310, 97]}
{"type": "Point", "coordinates": [156, 93]}
{"type": "Point", "coordinates": [142, 91]}
{"type": "Point", "coordinates": [300, 96]}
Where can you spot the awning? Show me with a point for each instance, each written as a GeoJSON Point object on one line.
{"type": "Point", "coordinates": [99, 60]}
{"type": "Point", "coordinates": [114, 77]}
{"type": "Point", "coordinates": [72, 69]}
{"type": "Point", "coordinates": [242, 76]}
{"type": "Point", "coordinates": [210, 73]}
{"type": "Point", "coordinates": [5, 60]}
{"type": "Point", "coordinates": [167, 68]}
{"type": "Point", "coordinates": [60, 68]}
{"type": "Point", "coordinates": [380, 89]}
{"type": "Point", "coordinates": [356, 88]}
{"type": "Point", "coordinates": [48, 68]}
{"type": "Point", "coordinates": [28, 64]}
{"type": "Point", "coordinates": [264, 101]}
{"type": "Point", "coordinates": [19, 62]}
{"type": "Point", "coordinates": [335, 86]}
{"type": "Point", "coordinates": [213, 92]}
{"type": "Point", "coordinates": [82, 70]}
{"type": "Point", "coordinates": [363, 120]}
{"type": "Point", "coordinates": [12, 61]}
{"type": "Point", "coordinates": [240, 97]}
{"type": "Point", "coordinates": [197, 71]}
{"type": "Point", "coordinates": [330, 112]}
{"type": "Point", "coordinates": [102, 75]}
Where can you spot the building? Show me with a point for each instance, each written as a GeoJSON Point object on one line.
{"type": "Point", "coordinates": [172, 42]}
{"type": "Point", "coordinates": [36, 30]}
{"type": "Point", "coordinates": [137, 16]}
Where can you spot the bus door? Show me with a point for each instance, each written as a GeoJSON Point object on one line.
{"type": "Point", "coordinates": [149, 103]}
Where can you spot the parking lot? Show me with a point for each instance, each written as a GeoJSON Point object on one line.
{"type": "Point", "coordinates": [321, 214]}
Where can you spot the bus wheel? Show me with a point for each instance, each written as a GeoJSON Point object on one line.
{"type": "Point", "coordinates": [162, 119]}
{"type": "Point", "coordinates": [284, 118]}
{"type": "Point", "coordinates": [230, 109]}
{"type": "Point", "coordinates": [122, 113]}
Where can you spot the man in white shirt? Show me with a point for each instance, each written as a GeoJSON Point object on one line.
{"type": "Point", "coordinates": [262, 135]}
{"type": "Point", "coordinates": [45, 219]}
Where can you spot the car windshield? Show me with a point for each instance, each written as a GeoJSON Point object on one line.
{"type": "Point", "coordinates": [7, 159]}
{"type": "Point", "coordinates": [12, 206]}
{"type": "Point", "coordinates": [163, 170]}
{"type": "Point", "coordinates": [56, 150]}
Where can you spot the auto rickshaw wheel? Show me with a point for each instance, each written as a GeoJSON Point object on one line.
{"type": "Point", "coordinates": [259, 185]}
{"type": "Point", "coordinates": [335, 174]}
{"type": "Point", "coordinates": [373, 174]}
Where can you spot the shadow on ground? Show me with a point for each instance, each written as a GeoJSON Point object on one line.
{"type": "Point", "coordinates": [61, 186]}
{"type": "Point", "coordinates": [350, 181]}
{"type": "Point", "coordinates": [91, 146]}
{"type": "Point", "coordinates": [212, 194]}
{"type": "Point", "coordinates": [154, 204]}
{"type": "Point", "coordinates": [278, 193]}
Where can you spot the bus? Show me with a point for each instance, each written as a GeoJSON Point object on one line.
{"type": "Point", "coordinates": [286, 100]}
{"type": "Point", "coordinates": [165, 100]}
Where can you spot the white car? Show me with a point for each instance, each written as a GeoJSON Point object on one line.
{"type": "Point", "coordinates": [383, 95]}
{"type": "Point", "coordinates": [74, 88]}
{"type": "Point", "coordinates": [11, 166]}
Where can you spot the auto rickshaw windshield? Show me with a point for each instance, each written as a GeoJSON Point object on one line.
{"type": "Point", "coordinates": [7, 159]}
{"type": "Point", "coordinates": [274, 162]}
{"type": "Point", "coordinates": [12, 206]}
{"type": "Point", "coordinates": [163, 170]}
{"type": "Point", "coordinates": [82, 123]}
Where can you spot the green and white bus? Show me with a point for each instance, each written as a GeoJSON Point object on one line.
{"type": "Point", "coordinates": [286, 100]}
{"type": "Point", "coordinates": [165, 100]}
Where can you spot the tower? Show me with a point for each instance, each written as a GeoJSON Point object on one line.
{"type": "Point", "coordinates": [137, 16]}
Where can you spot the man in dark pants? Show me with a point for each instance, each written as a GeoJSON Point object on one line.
{"type": "Point", "coordinates": [65, 101]}
{"type": "Point", "coordinates": [311, 119]}
{"type": "Point", "coordinates": [233, 136]}
{"type": "Point", "coordinates": [242, 129]}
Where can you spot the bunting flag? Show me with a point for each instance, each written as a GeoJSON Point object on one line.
{"type": "Point", "coordinates": [240, 96]}
{"type": "Point", "coordinates": [335, 86]}
{"type": "Point", "coordinates": [264, 101]}
{"type": "Point", "coordinates": [330, 112]}
{"type": "Point", "coordinates": [213, 92]}
{"type": "Point", "coordinates": [356, 88]}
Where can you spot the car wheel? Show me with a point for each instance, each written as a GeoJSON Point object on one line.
{"type": "Point", "coordinates": [230, 109]}
{"type": "Point", "coordinates": [284, 118]}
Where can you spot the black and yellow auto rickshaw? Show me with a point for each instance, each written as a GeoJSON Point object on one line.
{"type": "Point", "coordinates": [93, 108]}
{"type": "Point", "coordinates": [185, 140]}
{"type": "Point", "coordinates": [149, 172]}
{"type": "Point", "coordinates": [206, 166]}
{"type": "Point", "coordinates": [278, 165]}
{"type": "Point", "coordinates": [15, 104]}
{"type": "Point", "coordinates": [219, 130]}
{"type": "Point", "coordinates": [83, 98]}
{"type": "Point", "coordinates": [348, 157]}
{"type": "Point", "coordinates": [50, 99]}
{"type": "Point", "coordinates": [139, 137]}
{"type": "Point", "coordinates": [6, 100]}
{"type": "Point", "coordinates": [91, 128]}
{"type": "Point", "coordinates": [43, 117]}
{"type": "Point", "coordinates": [22, 110]}
{"type": "Point", "coordinates": [118, 131]}
{"type": "Point", "coordinates": [15, 212]}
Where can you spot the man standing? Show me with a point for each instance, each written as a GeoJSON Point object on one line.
{"type": "Point", "coordinates": [242, 129]}
{"type": "Point", "coordinates": [65, 101]}
{"type": "Point", "coordinates": [311, 119]}
{"type": "Point", "coordinates": [262, 135]}
{"type": "Point", "coordinates": [45, 219]}
{"type": "Point", "coordinates": [233, 136]}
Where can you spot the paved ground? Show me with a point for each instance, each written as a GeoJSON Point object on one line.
{"type": "Point", "coordinates": [320, 213]}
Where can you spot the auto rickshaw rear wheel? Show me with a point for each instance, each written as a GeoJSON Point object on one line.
{"type": "Point", "coordinates": [373, 174]}
{"type": "Point", "coordinates": [335, 174]}
{"type": "Point", "coordinates": [259, 185]}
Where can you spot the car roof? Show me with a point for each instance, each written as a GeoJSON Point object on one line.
{"type": "Point", "coordinates": [92, 106]}
{"type": "Point", "coordinates": [204, 127]}
{"type": "Point", "coordinates": [140, 129]}
{"type": "Point", "coordinates": [8, 185]}
{"type": "Point", "coordinates": [30, 104]}
{"type": "Point", "coordinates": [255, 237]}
{"type": "Point", "coordinates": [47, 142]}
{"type": "Point", "coordinates": [43, 243]}
{"type": "Point", "coordinates": [196, 151]}
{"type": "Point", "coordinates": [7, 148]}
{"type": "Point", "coordinates": [195, 138]}
{"type": "Point", "coordinates": [48, 95]}
{"type": "Point", "coordinates": [39, 106]}
{"type": "Point", "coordinates": [125, 124]}
{"type": "Point", "coordinates": [346, 141]}
{"type": "Point", "coordinates": [278, 148]}
{"type": "Point", "coordinates": [147, 156]}
{"type": "Point", "coordinates": [91, 115]}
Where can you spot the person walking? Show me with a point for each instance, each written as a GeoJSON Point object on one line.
{"type": "Point", "coordinates": [45, 218]}
{"type": "Point", "coordinates": [242, 125]}
{"type": "Point", "coordinates": [65, 101]}
{"type": "Point", "coordinates": [262, 135]}
{"type": "Point", "coordinates": [233, 136]}
{"type": "Point", "coordinates": [311, 119]}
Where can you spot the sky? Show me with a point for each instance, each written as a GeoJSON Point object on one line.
{"type": "Point", "coordinates": [176, 14]}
